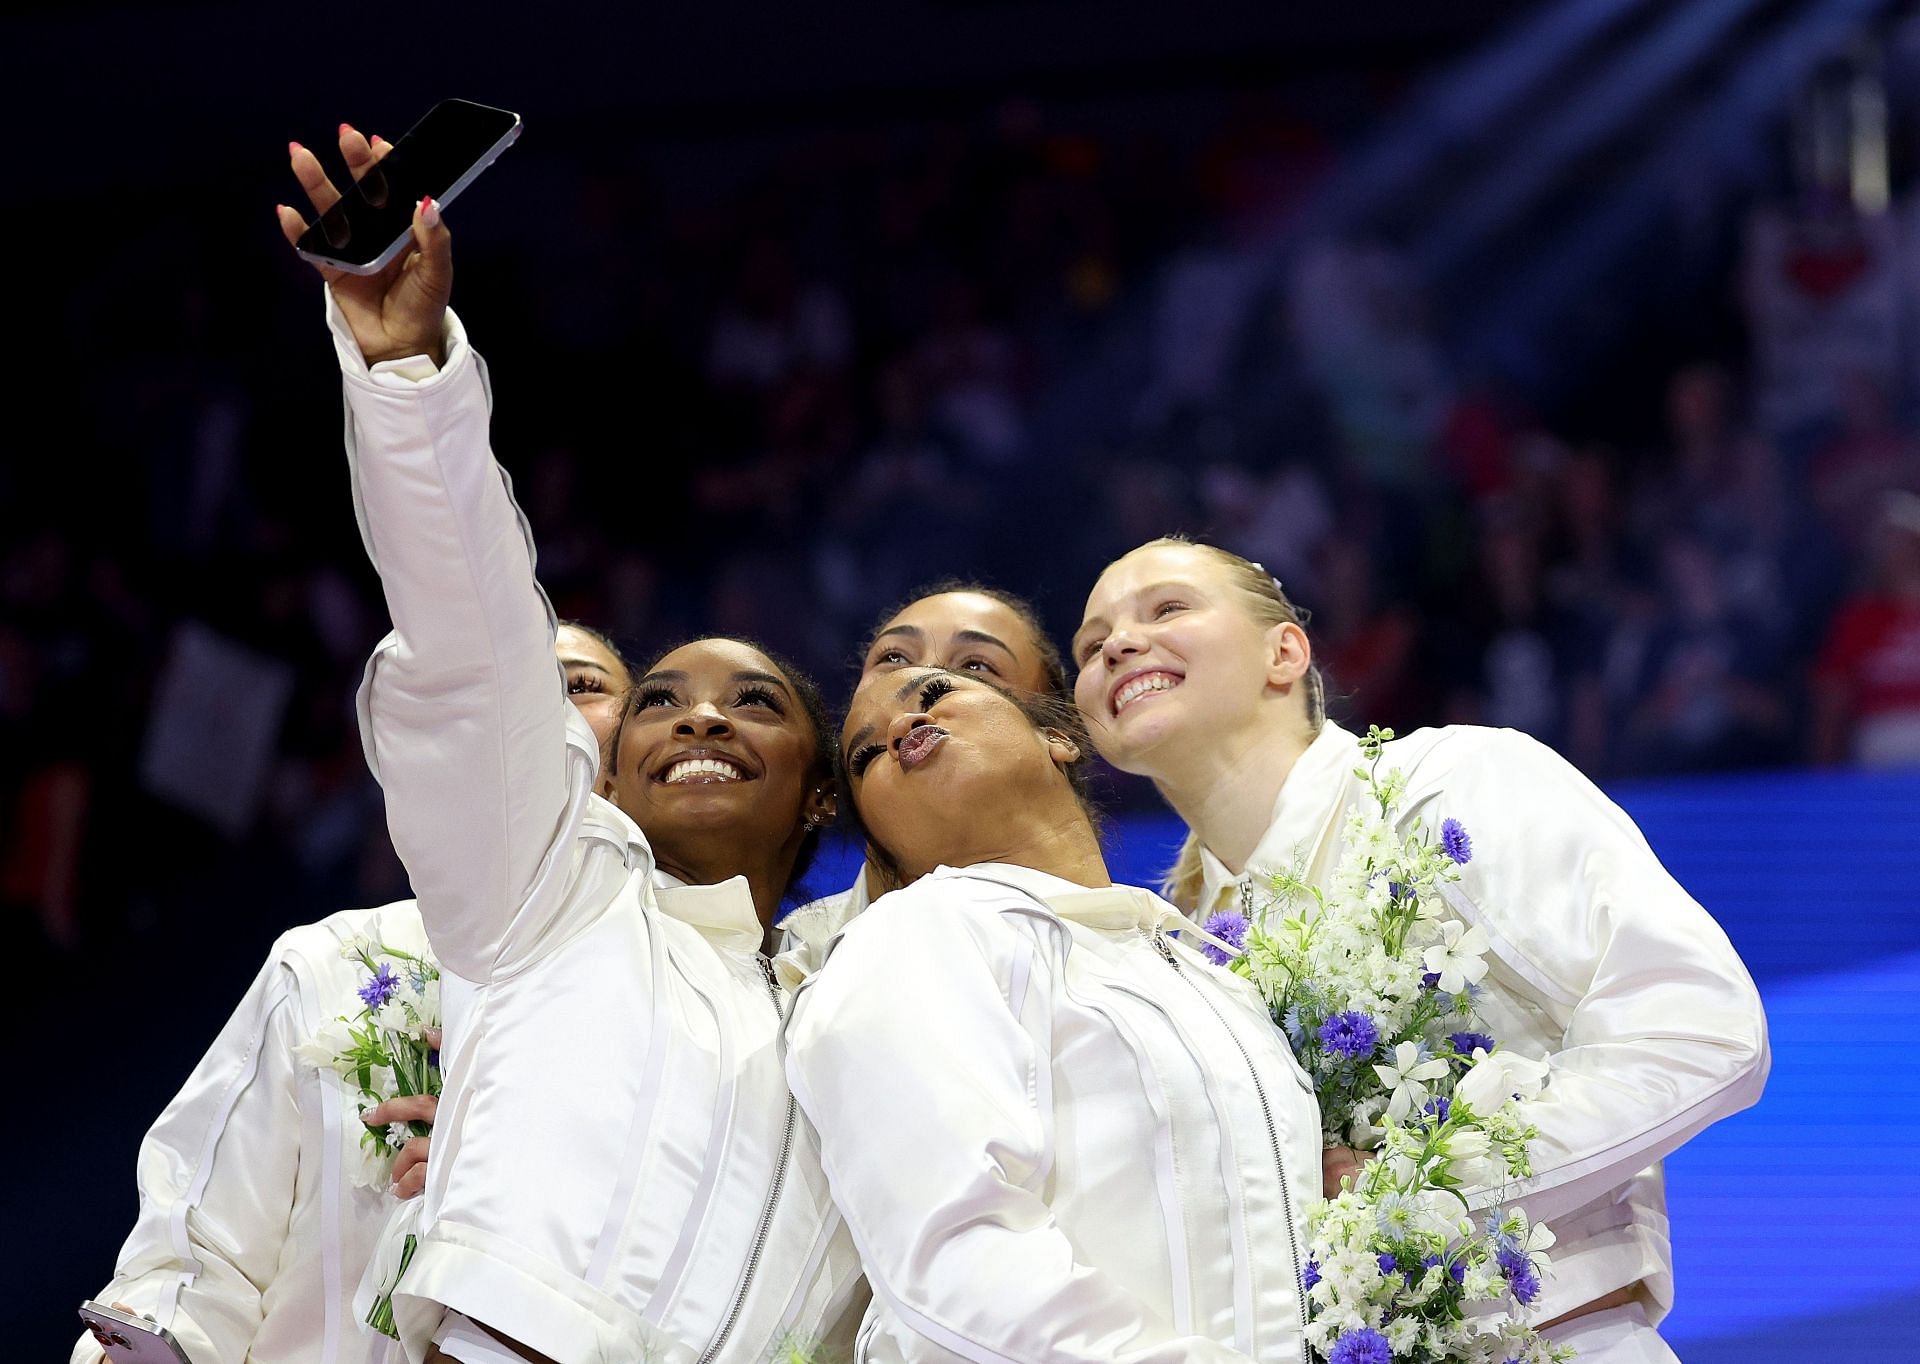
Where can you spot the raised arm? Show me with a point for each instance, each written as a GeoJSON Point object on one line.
{"type": "Point", "coordinates": [216, 1176]}
{"type": "Point", "coordinates": [463, 709]}
{"type": "Point", "coordinates": [1664, 1031]}
{"type": "Point", "coordinates": [922, 1083]}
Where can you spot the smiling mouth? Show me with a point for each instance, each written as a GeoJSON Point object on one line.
{"type": "Point", "coordinates": [1146, 684]}
{"type": "Point", "coordinates": [702, 771]}
{"type": "Point", "coordinates": [918, 746]}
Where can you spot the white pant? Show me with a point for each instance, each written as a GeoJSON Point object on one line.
{"type": "Point", "coordinates": [1619, 1335]}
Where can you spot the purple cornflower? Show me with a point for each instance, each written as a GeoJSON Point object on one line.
{"type": "Point", "coordinates": [1349, 1034]}
{"type": "Point", "coordinates": [1230, 926]}
{"type": "Point", "coordinates": [1387, 1263]}
{"type": "Point", "coordinates": [1455, 843]}
{"type": "Point", "coordinates": [1430, 981]}
{"type": "Point", "coordinates": [1435, 1110]}
{"type": "Point", "coordinates": [379, 987]}
{"type": "Point", "coordinates": [1457, 1270]}
{"type": "Point", "coordinates": [1365, 1346]}
{"type": "Point", "coordinates": [1465, 1042]}
{"type": "Point", "coordinates": [1522, 1277]}
{"type": "Point", "coordinates": [1311, 1274]}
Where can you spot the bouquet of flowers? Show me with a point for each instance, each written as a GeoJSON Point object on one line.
{"type": "Point", "coordinates": [389, 1049]}
{"type": "Point", "coordinates": [1376, 989]}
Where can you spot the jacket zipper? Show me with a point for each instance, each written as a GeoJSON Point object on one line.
{"type": "Point", "coordinates": [1273, 1132]}
{"type": "Point", "coordinates": [712, 1352]}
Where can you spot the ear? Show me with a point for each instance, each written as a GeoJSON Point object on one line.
{"type": "Point", "coordinates": [1289, 654]}
{"type": "Point", "coordinates": [822, 805]}
{"type": "Point", "coordinates": [1061, 747]}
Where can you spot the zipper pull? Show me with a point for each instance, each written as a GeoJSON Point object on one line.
{"type": "Point", "coordinates": [1164, 948]}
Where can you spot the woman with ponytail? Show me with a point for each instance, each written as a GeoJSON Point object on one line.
{"type": "Point", "coordinates": [1195, 671]}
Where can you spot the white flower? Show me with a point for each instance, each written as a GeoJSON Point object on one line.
{"type": "Point", "coordinates": [1460, 958]}
{"type": "Point", "coordinates": [1408, 1077]}
{"type": "Point", "coordinates": [322, 1050]}
{"type": "Point", "coordinates": [1493, 1079]}
{"type": "Point", "coordinates": [1470, 1157]}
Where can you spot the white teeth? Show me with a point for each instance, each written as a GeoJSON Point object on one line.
{"type": "Point", "coordinates": [1140, 686]}
{"type": "Point", "coordinates": [703, 767]}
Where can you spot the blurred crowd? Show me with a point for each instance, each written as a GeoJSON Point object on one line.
{"type": "Point", "coordinates": [772, 402]}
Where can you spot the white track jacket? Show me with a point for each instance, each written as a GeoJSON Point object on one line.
{"type": "Point", "coordinates": [1057, 1133]}
{"type": "Point", "coordinates": [1601, 963]}
{"type": "Point", "coordinates": [254, 1229]}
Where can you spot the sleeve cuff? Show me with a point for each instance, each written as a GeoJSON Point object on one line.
{"type": "Point", "coordinates": [410, 372]}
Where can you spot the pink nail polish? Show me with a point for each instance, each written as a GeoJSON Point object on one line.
{"type": "Point", "coordinates": [345, 128]}
{"type": "Point", "coordinates": [294, 149]}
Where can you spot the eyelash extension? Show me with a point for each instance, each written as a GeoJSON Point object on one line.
{"type": "Point", "coordinates": [654, 696]}
{"type": "Point", "coordinates": [760, 695]}
{"type": "Point", "coordinates": [934, 689]}
{"type": "Point", "coordinates": [584, 683]}
{"type": "Point", "coordinates": [863, 757]}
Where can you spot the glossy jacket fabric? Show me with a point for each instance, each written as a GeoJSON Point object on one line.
{"type": "Point", "coordinates": [618, 1171]}
{"type": "Point", "coordinates": [1056, 1133]}
{"type": "Point", "coordinates": [1600, 962]}
{"type": "Point", "coordinates": [256, 1215]}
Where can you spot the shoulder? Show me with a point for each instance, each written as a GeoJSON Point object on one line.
{"type": "Point", "coordinates": [944, 911]}
{"type": "Point", "coordinates": [1475, 759]}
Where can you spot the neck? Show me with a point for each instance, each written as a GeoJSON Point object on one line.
{"type": "Point", "coordinates": [1226, 791]}
{"type": "Point", "coordinates": [766, 874]}
{"type": "Point", "coordinates": [1064, 845]}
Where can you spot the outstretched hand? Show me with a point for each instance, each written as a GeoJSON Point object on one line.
{"type": "Point", "coordinates": [400, 311]}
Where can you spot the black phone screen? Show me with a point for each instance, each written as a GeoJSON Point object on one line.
{"type": "Point", "coordinates": [434, 157]}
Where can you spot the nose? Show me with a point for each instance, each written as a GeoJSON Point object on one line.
{"type": "Point", "coordinates": [904, 725]}
{"type": "Point", "coordinates": [704, 721]}
{"type": "Point", "coordinates": [1122, 644]}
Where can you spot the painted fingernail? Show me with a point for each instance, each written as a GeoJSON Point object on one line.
{"type": "Point", "coordinates": [378, 140]}
{"type": "Point", "coordinates": [294, 149]}
{"type": "Point", "coordinates": [345, 128]}
{"type": "Point", "coordinates": [429, 212]}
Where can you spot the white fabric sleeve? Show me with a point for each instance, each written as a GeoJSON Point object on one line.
{"type": "Point", "coordinates": [463, 708]}
{"type": "Point", "coordinates": [1664, 1030]}
{"type": "Point", "coordinates": [216, 1176]}
{"type": "Point", "coordinates": [922, 1083]}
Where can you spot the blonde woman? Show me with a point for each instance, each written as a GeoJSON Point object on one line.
{"type": "Point", "coordinates": [1194, 671]}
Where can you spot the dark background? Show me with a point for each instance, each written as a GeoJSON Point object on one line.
{"type": "Point", "coordinates": [1441, 311]}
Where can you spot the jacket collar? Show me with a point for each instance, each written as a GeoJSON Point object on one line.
{"type": "Point", "coordinates": [723, 913]}
{"type": "Point", "coordinates": [807, 932]}
{"type": "Point", "coordinates": [1114, 909]}
{"type": "Point", "coordinates": [1310, 799]}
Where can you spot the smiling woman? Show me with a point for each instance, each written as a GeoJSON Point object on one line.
{"type": "Point", "coordinates": [723, 755]}
{"type": "Point", "coordinates": [1017, 1068]}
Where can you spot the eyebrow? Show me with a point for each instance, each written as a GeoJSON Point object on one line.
{"type": "Point", "coordinates": [970, 635]}
{"type": "Point", "coordinates": [586, 663]}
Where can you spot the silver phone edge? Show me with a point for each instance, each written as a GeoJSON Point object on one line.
{"type": "Point", "coordinates": [386, 257]}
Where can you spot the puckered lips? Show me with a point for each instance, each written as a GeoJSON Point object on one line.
{"type": "Point", "coordinates": [1131, 688]}
{"type": "Point", "coordinates": [701, 767]}
{"type": "Point", "coordinates": [917, 745]}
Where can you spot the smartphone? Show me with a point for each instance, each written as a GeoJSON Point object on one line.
{"type": "Point", "coordinates": [128, 1339]}
{"type": "Point", "coordinates": [438, 157]}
